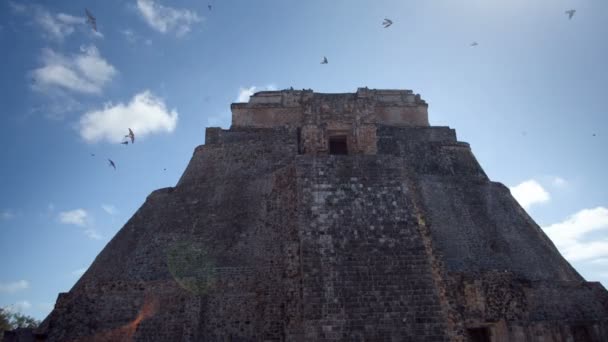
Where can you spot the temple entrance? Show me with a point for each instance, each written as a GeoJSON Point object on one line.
{"type": "Point", "coordinates": [481, 334]}
{"type": "Point", "coordinates": [337, 144]}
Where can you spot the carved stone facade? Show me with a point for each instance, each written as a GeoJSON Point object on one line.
{"type": "Point", "coordinates": [322, 116]}
{"type": "Point", "coordinates": [331, 217]}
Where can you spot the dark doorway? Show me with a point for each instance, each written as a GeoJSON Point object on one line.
{"type": "Point", "coordinates": [581, 334]}
{"type": "Point", "coordinates": [337, 145]}
{"type": "Point", "coordinates": [479, 335]}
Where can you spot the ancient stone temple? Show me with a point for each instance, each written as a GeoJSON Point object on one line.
{"type": "Point", "coordinates": [331, 217]}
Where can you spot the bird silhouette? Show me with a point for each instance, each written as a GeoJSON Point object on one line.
{"type": "Point", "coordinates": [324, 60]}
{"type": "Point", "coordinates": [125, 143]}
{"type": "Point", "coordinates": [387, 22]}
{"type": "Point", "coordinates": [209, 7]}
{"type": "Point", "coordinates": [570, 13]}
{"type": "Point", "coordinates": [91, 19]}
{"type": "Point", "coordinates": [474, 44]}
{"type": "Point", "coordinates": [131, 136]}
{"type": "Point", "coordinates": [112, 164]}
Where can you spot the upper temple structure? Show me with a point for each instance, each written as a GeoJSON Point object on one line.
{"type": "Point", "coordinates": [330, 217]}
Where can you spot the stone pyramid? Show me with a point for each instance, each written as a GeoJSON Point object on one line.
{"type": "Point", "coordinates": [330, 217]}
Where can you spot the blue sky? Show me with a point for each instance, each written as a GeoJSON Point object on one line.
{"type": "Point", "coordinates": [529, 98]}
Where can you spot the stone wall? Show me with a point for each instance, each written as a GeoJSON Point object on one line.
{"type": "Point", "coordinates": [367, 276]}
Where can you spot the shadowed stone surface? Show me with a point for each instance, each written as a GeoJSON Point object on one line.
{"type": "Point", "coordinates": [267, 237]}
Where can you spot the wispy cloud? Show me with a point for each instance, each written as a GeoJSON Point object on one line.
{"type": "Point", "coordinates": [19, 306]}
{"type": "Point", "coordinates": [14, 286]}
{"type": "Point", "coordinates": [133, 37]}
{"type": "Point", "coordinates": [79, 272]}
{"type": "Point", "coordinates": [76, 217]}
{"type": "Point", "coordinates": [81, 218]}
{"type": "Point", "coordinates": [145, 114]}
{"type": "Point", "coordinates": [17, 7]}
{"type": "Point", "coordinates": [529, 193]}
{"type": "Point", "coordinates": [167, 19]}
{"type": "Point", "coordinates": [86, 72]}
{"type": "Point", "coordinates": [7, 214]}
{"type": "Point", "coordinates": [572, 236]}
{"type": "Point", "coordinates": [129, 35]}
{"type": "Point", "coordinates": [55, 26]}
{"type": "Point", "coordinates": [109, 209]}
{"type": "Point", "coordinates": [559, 182]}
{"type": "Point", "coordinates": [93, 234]}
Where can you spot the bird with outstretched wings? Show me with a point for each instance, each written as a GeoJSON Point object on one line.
{"type": "Point", "coordinates": [387, 22]}
{"type": "Point", "coordinates": [91, 19]}
{"type": "Point", "coordinates": [570, 13]}
{"type": "Point", "coordinates": [324, 61]}
{"type": "Point", "coordinates": [131, 136]}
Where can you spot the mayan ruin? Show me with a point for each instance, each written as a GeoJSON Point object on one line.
{"type": "Point", "coordinates": [330, 217]}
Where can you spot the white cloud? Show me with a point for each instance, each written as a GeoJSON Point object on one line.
{"type": "Point", "coordinates": [571, 235]}
{"type": "Point", "coordinates": [167, 19]}
{"type": "Point", "coordinates": [110, 209]}
{"type": "Point", "coordinates": [76, 217]}
{"type": "Point", "coordinates": [529, 193]}
{"type": "Point", "coordinates": [245, 93]}
{"type": "Point", "coordinates": [86, 72]}
{"type": "Point", "coordinates": [52, 26]}
{"type": "Point", "coordinates": [145, 114]}
{"type": "Point", "coordinates": [70, 19]}
{"type": "Point", "coordinates": [56, 26]}
{"type": "Point", "coordinates": [19, 306]}
{"type": "Point", "coordinates": [14, 286]}
{"type": "Point", "coordinates": [224, 120]}
{"type": "Point", "coordinates": [79, 217]}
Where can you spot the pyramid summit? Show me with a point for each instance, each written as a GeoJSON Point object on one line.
{"type": "Point", "coordinates": [330, 217]}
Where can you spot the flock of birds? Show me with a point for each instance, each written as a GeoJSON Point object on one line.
{"type": "Point", "coordinates": [131, 137]}
{"type": "Point", "coordinates": [91, 20]}
{"type": "Point", "coordinates": [387, 23]}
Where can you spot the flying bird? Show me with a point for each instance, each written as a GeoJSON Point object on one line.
{"type": "Point", "coordinates": [125, 142]}
{"type": "Point", "coordinates": [209, 7]}
{"type": "Point", "coordinates": [570, 13]}
{"type": "Point", "coordinates": [91, 19]}
{"type": "Point", "coordinates": [131, 136]}
{"type": "Point", "coordinates": [112, 164]}
{"type": "Point", "coordinates": [474, 44]}
{"type": "Point", "coordinates": [387, 22]}
{"type": "Point", "coordinates": [92, 154]}
{"type": "Point", "coordinates": [324, 60]}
